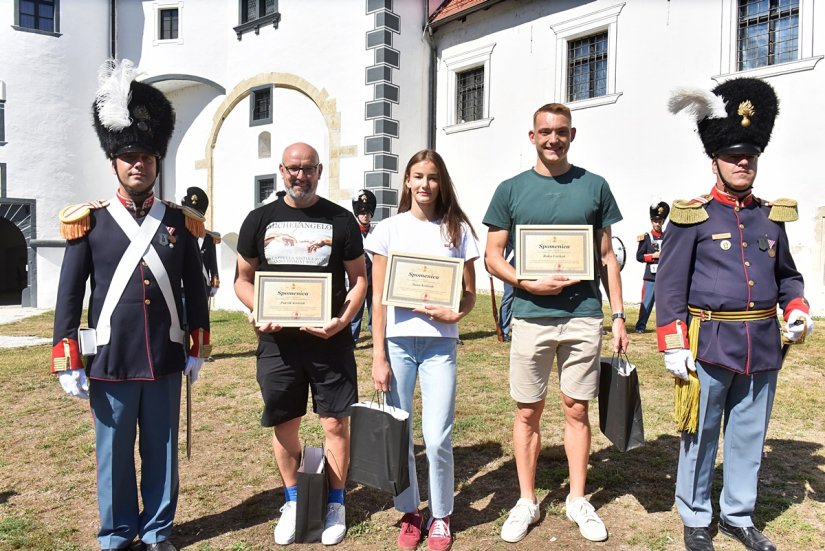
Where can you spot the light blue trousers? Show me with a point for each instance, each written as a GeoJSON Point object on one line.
{"type": "Point", "coordinates": [433, 361]}
{"type": "Point", "coordinates": [119, 408]}
{"type": "Point", "coordinates": [745, 401]}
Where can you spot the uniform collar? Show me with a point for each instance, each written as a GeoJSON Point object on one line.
{"type": "Point", "coordinates": [731, 200]}
{"type": "Point", "coordinates": [132, 206]}
{"type": "Point", "coordinates": [656, 234]}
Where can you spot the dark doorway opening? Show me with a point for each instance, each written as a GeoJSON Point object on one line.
{"type": "Point", "coordinates": [14, 276]}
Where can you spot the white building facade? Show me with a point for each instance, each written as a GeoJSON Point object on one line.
{"type": "Point", "coordinates": [370, 82]}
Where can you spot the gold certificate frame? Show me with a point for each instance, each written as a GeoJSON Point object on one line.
{"type": "Point", "coordinates": [413, 280]}
{"type": "Point", "coordinates": [555, 250]}
{"type": "Point", "coordinates": [292, 299]}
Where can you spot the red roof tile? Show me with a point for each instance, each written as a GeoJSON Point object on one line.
{"type": "Point", "coordinates": [451, 8]}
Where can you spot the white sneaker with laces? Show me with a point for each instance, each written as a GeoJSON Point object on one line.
{"type": "Point", "coordinates": [335, 527]}
{"type": "Point", "coordinates": [582, 513]}
{"type": "Point", "coordinates": [521, 517]}
{"type": "Point", "coordinates": [285, 529]}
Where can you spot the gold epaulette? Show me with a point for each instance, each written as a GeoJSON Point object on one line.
{"type": "Point", "coordinates": [216, 237]}
{"type": "Point", "coordinates": [75, 220]}
{"type": "Point", "coordinates": [194, 219]}
{"type": "Point", "coordinates": [641, 237]}
{"type": "Point", "coordinates": [690, 212]}
{"type": "Point", "coordinates": [783, 210]}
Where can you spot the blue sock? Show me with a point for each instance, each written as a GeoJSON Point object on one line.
{"type": "Point", "coordinates": [335, 496]}
{"type": "Point", "coordinates": [291, 493]}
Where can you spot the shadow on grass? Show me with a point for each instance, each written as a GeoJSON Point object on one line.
{"type": "Point", "coordinates": [255, 510]}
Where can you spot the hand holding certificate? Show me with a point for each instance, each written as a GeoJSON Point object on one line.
{"type": "Point", "coordinates": [558, 250]}
{"type": "Point", "coordinates": [413, 281]}
{"type": "Point", "coordinates": [292, 299]}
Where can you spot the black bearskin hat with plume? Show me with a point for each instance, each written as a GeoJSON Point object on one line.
{"type": "Point", "coordinates": [130, 116]}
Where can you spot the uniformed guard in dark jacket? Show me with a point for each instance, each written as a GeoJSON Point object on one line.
{"type": "Point", "coordinates": [648, 251]}
{"type": "Point", "coordinates": [363, 207]}
{"type": "Point", "coordinates": [725, 267]}
{"type": "Point", "coordinates": [197, 199]}
{"type": "Point", "coordinates": [136, 252]}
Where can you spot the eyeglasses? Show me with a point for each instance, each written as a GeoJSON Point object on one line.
{"type": "Point", "coordinates": [308, 170]}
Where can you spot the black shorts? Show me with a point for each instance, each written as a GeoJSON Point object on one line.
{"type": "Point", "coordinates": [285, 374]}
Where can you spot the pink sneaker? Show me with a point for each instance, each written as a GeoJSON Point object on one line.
{"type": "Point", "coordinates": [439, 538]}
{"type": "Point", "coordinates": [410, 531]}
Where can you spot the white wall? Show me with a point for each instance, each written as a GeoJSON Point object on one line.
{"type": "Point", "coordinates": [644, 152]}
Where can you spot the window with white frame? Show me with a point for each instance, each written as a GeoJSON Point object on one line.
{"type": "Point", "coordinates": [586, 58]}
{"type": "Point", "coordinates": [168, 22]}
{"type": "Point", "coordinates": [37, 15]}
{"type": "Point", "coordinates": [260, 106]}
{"type": "Point", "coordinates": [256, 9]}
{"type": "Point", "coordinates": [763, 38]}
{"type": "Point", "coordinates": [468, 89]}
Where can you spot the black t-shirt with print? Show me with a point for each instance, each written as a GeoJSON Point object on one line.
{"type": "Point", "coordinates": [316, 239]}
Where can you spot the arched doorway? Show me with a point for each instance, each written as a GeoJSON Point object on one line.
{"type": "Point", "coordinates": [14, 254]}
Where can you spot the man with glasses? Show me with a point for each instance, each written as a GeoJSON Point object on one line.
{"type": "Point", "coordinates": [303, 232]}
{"type": "Point", "coordinates": [650, 245]}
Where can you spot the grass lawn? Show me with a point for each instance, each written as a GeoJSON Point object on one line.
{"type": "Point", "coordinates": [230, 490]}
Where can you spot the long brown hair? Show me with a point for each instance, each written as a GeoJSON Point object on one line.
{"type": "Point", "coordinates": [446, 204]}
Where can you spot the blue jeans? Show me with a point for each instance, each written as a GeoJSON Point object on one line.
{"type": "Point", "coordinates": [355, 324]}
{"type": "Point", "coordinates": [505, 315]}
{"type": "Point", "coordinates": [433, 360]}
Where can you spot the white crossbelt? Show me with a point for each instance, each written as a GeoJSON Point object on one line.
{"type": "Point", "coordinates": [141, 246]}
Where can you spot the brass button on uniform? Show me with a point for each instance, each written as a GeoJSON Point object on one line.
{"type": "Point", "coordinates": [147, 301]}
{"type": "Point", "coordinates": [745, 244]}
{"type": "Point", "coordinates": [747, 263]}
{"type": "Point", "coordinates": [143, 263]}
{"type": "Point", "coordinates": [751, 305]}
{"type": "Point", "coordinates": [741, 226]}
{"type": "Point", "coordinates": [751, 283]}
{"type": "Point", "coordinates": [736, 209]}
{"type": "Point", "coordinates": [147, 282]}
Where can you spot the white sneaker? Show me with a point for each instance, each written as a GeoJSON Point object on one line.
{"type": "Point", "coordinates": [582, 513]}
{"type": "Point", "coordinates": [521, 517]}
{"type": "Point", "coordinates": [335, 527]}
{"type": "Point", "coordinates": [285, 529]}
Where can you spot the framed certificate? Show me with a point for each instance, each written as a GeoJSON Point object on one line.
{"type": "Point", "coordinates": [413, 280]}
{"type": "Point", "coordinates": [565, 250]}
{"type": "Point", "coordinates": [292, 299]}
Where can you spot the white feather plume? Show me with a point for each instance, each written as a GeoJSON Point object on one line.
{"type": "Point", "coordinates": [700, 104]}
{"type": "Point", "coordinates": [114, 79]}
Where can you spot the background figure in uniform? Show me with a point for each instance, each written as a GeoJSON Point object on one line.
{"type": "Point", "coordinates": [138, 252]}
{"type": "Point", "coordinates": [196, 199]}
{"type": "Point", "coordinates": [303, 232]}
{"type": "Point", "coordinates": [505, 312]}
{"type": "Point", "coordinates": [363, 206]}
{"type": "Point", "coordinates": [725, 267]}
{"type": "Point", "coordinates": [650, 245]}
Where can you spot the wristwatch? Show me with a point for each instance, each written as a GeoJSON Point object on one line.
{"type": "Point", "coordinates": [618, 315]}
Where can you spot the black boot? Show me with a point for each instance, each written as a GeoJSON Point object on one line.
{"type": "Point", "coordinates": [749, 536]}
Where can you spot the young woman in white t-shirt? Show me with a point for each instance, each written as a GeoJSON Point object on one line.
{"type": "Point", "coordinates": [420, 343]}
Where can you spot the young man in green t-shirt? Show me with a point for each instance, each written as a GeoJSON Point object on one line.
{"type": "Point", "coordinates": [555, 316]}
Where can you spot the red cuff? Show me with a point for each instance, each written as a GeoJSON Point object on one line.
{"type": "Point", "coordinates": [66, 356]}
{"type": "Point", "coordinates": [798, 303]}
{"type": "Point", "coordinates": [648, 258]}
{"type": "Point", "coordinates": [672, 336]}
{"type": "Point", "coordinates": [200, 344]}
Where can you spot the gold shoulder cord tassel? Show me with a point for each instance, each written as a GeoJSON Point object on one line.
{"type": "Point", "coordinates": [688, 212]}
{"type": "Point", "coordinates": [686, 393]}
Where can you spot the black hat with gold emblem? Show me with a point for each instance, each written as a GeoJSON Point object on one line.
{"type": "Point", "coordinates": [364, 201]}
{"type": "Point", "coordinates": [129, 116]}
{"type": "Point", "coordinates": [736, 118]}
{"type": "Point", "coordinates": [659, 210]}
{"type": "Point", "coordinates": [196, 198]}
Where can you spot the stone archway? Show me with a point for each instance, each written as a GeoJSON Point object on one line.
{"type": "Point", "coordinates": [15, 235]}
{"type": "Point", "coordinates": [326, 105]}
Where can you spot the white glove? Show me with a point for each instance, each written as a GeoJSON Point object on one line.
{"type": "Point", "coordinates": [795, 330]}
{"type": "Point", "coordinates": [678, 362]}
{"type": "Point", "coordinates": [74, 383]}
{"type": "Point", "coordinates": [193, 367]}
{"type": "Point", "coordinates": [213, 291]}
